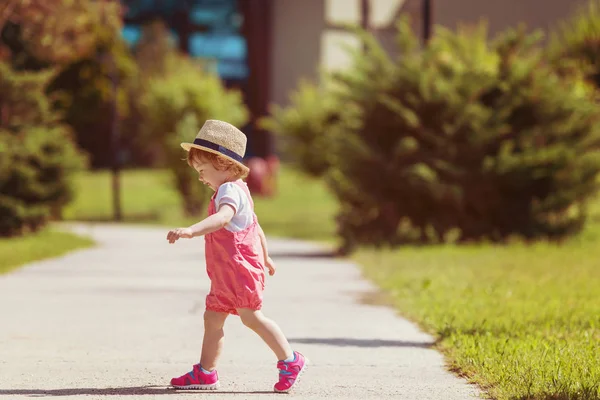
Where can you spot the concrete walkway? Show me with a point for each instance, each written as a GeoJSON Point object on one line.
{"type": "Point", "coordinates": [119, 320]}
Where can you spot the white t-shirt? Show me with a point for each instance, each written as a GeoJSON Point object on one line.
{"type": "Point", "coordinates": [233, 195]}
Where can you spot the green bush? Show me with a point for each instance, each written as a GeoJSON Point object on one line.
{"type": "Point", "coordinates": [463, 140]}
{"type": "Point", "coordinates": [174, 107]}
{"type": "Point", "coordinates": [155, 57]}
{"type": "Point", "coordinates": [304, 128]}
{"type": "Point", "coordinates": [576, 42]}
{"type": "Point", "coordinates": [37, 154]}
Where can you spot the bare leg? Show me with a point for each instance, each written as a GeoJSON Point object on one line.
{"type": "Point", "coordinates": [213, 339]}
{"type": "Point", "coordinates": [268, 331]}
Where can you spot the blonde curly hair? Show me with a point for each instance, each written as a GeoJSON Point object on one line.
{"type": "Point", "coordinates": [220, 163]}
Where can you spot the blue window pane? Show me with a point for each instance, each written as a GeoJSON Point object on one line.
{"type": "Point", "coordinates": [219, 16]}
{"type": "Point", "coordinates": [219, 9]}
{"type": "Point", "coordinates": [222, 44]}
{"type": "Point", "coordinates": [131, 34]}
{"type": "Point", "coordinates": [232, 70]}
{"type": "Point", "coordinates": [218, 46]}
{"type": "Point", "coordinates": [204, 16]}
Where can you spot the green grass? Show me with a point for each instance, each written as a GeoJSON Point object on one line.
{"type": "Point", "coordinates": [14, 252]}
{"type": "Point", "coordinates": [303, 208]}
{"type": "Point", "coordinates": [521, 321]}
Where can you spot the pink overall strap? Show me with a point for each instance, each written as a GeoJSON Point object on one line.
{"type": "Point", "coordinates": [246, 190]}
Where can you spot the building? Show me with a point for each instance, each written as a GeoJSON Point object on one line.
{"type": "Point", "coordinates": [308, 33]}
{"type": "Point", "coordinates": [266, 46]}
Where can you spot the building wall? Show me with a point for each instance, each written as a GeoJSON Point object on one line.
{"type": "Point", "coordinates": [303, 42]}
{"type": "Point", "coordinates": [537, 14]}
{"type": "Point", "coordinates": [296, 44]}
{"type": "Point", "coordinates": [305, 38]}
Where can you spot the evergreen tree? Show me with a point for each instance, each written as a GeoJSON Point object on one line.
{"type": "Point", "coordinates": [304, 127]}
{"type": "Point", "coordinates": [463, 139]}
{"type": "Point", "coordinates": [37, 153]}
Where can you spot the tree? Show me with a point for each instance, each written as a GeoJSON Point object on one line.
{"type": "Point", "coordinates": [465, 139]}
{"type": "Point", "coordinates": [37, 154]}
{"type": "Point", "coordinates": [80, 40]}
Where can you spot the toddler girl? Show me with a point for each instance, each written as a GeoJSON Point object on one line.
{"type": "Point", "coordinates": [236, 257]}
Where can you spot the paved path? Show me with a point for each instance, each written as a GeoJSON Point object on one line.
{"type": "Point", "coordinates": [119, 320]}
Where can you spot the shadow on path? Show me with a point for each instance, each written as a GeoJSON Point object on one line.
{"type": "Point", "coordinates": [118, 391]}
{"type": "Point", "coordinates": [304, 254]}
{"type": "Point", "coordinates": [348, 342]}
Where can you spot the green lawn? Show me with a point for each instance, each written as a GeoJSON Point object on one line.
{"type": "Point", "coordinates": [302, 209]}
{"type": "Point", "coordinates": [47, 243]}
{"type": "Point", "coordinates": [522, 321]}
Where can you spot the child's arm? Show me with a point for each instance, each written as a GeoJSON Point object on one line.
{"type": "Point", "coordinates": [263, 241]}
{"type": "Point", "coordinates": [208, 225]}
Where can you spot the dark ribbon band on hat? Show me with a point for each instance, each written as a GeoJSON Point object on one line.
{"type": "Point", "coordinates": [217, 147]}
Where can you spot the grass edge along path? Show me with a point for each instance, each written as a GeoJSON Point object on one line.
{"type": "Point", "coordinates": [522, 322]}
{"type": "Point", "coordinates": [303, 208]}
{"type": "Point", "coordinates": [16, 252]}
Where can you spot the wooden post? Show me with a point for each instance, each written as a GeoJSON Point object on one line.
{"type": "Point", "coordinates": [115, 145]}
{"type": "Point", "coordinates": [365, 17]}
{"type": "Point", "coordinates": [256, 29]}
{"type": "Point", "coordinates": [365, 14]}
{"type": "Point", "coordinates": [115, 142]}
{"type": "Point", "coordinates": [427, 19]}
{"type": "Point", "coordinates": [182, 25]}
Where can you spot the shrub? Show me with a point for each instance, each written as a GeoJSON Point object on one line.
{"type": "Point", "coordinates": [37, 154]}
{"type": "Point", "coordinates": [576, 42]}
{"type": "Point", "coordinates": [156, 57]}
{"type": "Point", "coordinates": [462, 140]}
{"type": "Point", "coordinates": [304, 128]}
{"type": "Point", "coordinates": [174, 108]}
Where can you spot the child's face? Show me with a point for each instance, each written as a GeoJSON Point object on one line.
{"type": "Point", "coordinates": [209, 175]}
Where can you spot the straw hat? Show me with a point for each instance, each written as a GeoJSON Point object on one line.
{"type": "Point", "coordinates": [221, 138]}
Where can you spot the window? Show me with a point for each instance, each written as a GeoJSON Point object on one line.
{"type": "Point", "coordinates": [212, 29]}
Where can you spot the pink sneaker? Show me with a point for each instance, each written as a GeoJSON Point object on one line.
{"type": "Point", "coordinates": [196, 379]}
{"type": "Point", "coordinates": [289, 372]}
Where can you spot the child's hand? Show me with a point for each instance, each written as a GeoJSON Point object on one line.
{"type": "Point", "coordinates": [175, 234]}
{"type": "Point", "coordinates": [270, 265]}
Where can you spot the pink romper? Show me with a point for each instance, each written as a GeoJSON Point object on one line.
{"type": "Point", "coordinates": [235, 265]}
